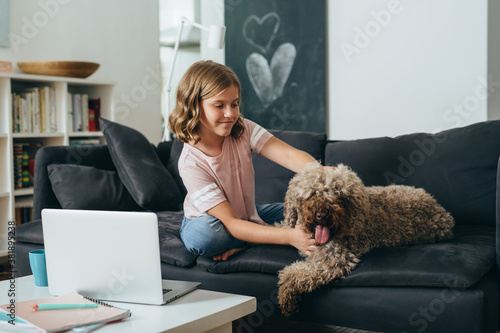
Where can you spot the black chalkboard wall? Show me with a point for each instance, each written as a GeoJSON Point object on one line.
{"type": "Point", "coordinates": [277, 49]}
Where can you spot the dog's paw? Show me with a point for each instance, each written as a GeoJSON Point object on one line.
{"type": "Point", "coordinates": [289, 291]}
{"type": "Point", "coordinates": [288, 299]}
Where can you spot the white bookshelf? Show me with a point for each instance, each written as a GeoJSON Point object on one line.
{"type": "Point", "coordinates": [10, 197]}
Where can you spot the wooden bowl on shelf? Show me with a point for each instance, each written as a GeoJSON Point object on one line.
{"type": "Point", "coordinates": [78, 69]}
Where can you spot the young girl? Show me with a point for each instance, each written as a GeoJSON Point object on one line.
{"type": "Point", "coordinates": [216, 167]}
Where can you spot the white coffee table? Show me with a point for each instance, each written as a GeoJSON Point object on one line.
{"type": "Point", "coordinates": [199, 311]}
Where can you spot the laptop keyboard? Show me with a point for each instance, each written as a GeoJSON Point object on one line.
{"type": "Point", "coordinates": [166, 291]}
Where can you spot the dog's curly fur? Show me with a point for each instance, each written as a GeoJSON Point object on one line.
{"type": "Point", "coordinates": [349, 220]}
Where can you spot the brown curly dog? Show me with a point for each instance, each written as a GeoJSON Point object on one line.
{"type": "Point", "coordinates": [347, 220]}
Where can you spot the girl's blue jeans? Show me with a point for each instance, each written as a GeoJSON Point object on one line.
{"type": "Point", "coordinates": [207, 236]}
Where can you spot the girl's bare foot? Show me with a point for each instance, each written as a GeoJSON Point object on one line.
{"type": "Point", "coordinates": [227, 254]}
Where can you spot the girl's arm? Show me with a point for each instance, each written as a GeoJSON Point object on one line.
{"type": "Point", "coordinates": [262, 234]}
{"type": "Point", "coordinates": [285, 155]}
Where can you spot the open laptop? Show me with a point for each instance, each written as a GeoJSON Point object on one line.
{"type": "Point", "coordinates": [107, 255]}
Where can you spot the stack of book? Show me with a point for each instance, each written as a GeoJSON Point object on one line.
{"type": "Point", "coordinates": [24, 214]}
{"type": "Point", "coordinates": [85, 112]}
{"type": "Point", "coordinates": [34, 110]}
{"type": "Point", "coordinates": [24, 174]}
{"type": "Point", "coordinates": [24, 163]}
{"type": "Point", "coordinates": [84, 141]}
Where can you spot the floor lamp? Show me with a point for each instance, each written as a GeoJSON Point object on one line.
{"type": "Point", "coordinates": [216, 34]}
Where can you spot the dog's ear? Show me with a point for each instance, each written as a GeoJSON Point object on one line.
{"type": "Point", "coordinates": [339, 218]}
{"type": "Point", "coordinates": [355, 207]}
{"type": "Point", "coordinates": [290, 213]}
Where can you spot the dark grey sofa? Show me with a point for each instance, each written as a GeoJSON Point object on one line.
{"type": "Point", "coordinates": [446, 287]}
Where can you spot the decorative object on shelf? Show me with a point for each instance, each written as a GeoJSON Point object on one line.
{"type": "Point", "coordinates": [5, 67]}
{"type": "Point", "coordinates": [78, 69]}
{"type": "Point", "coordinates": [216, 34]}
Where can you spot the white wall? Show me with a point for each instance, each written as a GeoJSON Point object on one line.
{"type": "Point", "coordinates": [402, 66]}
{"type": "Point", "coordinates": [121, 35]}
{"type": "Point", "coordinates": [212, 12]}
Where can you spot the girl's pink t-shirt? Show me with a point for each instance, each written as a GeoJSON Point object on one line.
{"type": "Point", "coordinates": [229, 176]}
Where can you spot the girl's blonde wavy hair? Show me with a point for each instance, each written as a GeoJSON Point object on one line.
{"type": "Point", "coordinates": [204, 79]}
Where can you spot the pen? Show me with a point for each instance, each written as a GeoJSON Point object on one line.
{"type": "Point", "coordinates": [38, 307]}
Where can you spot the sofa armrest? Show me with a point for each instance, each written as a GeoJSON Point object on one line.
{"type": "Point", "coordinates": [43, 196]}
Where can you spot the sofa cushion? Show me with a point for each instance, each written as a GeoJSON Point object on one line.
{"type": "Point", "coordinates": [460, 262]}
{"type": "Point", "coordinates": [271, 179]}
{"type": "Point", "coordinates": [140, 169]}
{"type": "Point", "coordinates": [256, 258]}
{"type": "Point", "coordinates": [458, 166]}
{"type": "Point", "coordinates": [85, 187]}
{"type": "Point", "coordinates": [172, 249]}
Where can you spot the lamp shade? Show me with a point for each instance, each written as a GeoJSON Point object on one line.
{"type": "Point", "coordinates": [216, 36]}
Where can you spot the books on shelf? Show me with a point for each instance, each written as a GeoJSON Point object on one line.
{"type": "Point", "coordinates": [24, 175]}
{"type": "Point", "coordinates": [23, 214]}
{"type": "Point", "coordinates": [24, 163]}
{"type": "Point", "coordinates": [94, 114]}
{"type": "Point", "coordinates": [34, 110]}
{"type": "Point", "coordinates": [64, 319]}
{"type": "Point", "coordinates": [84, 141]}
{"type": "Point", "coordinates": [85, 112]}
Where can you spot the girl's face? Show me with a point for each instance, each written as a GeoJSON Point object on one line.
{"type": "Point", "coordinates": [219, 113]}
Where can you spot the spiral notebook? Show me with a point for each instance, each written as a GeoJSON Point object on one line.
{"type": "Point", "coordinates": [59, 320]}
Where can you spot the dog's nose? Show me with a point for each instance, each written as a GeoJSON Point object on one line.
{"type": "Point", "coordinates": [320, 215]}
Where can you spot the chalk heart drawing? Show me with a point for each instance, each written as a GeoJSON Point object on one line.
{"type": "Point", "coordinates": [268, 80]}
{"type": "Point", "coordinates": [260, 32]}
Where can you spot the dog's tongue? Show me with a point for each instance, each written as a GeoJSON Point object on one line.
{"type": "Point", "coordinates": [322, 234]}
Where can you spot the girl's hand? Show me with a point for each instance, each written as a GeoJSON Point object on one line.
{"type": "Point", "coordinates": [302, 240]}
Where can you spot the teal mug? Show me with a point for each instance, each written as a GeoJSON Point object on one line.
{"type": "Point", "coordinates": [38, 267]}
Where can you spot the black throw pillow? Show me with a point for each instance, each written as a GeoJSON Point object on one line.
{"type": "Point", "coordinates": [85, 187]}
{"type": "Point", "coordinates": [140, 169]}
